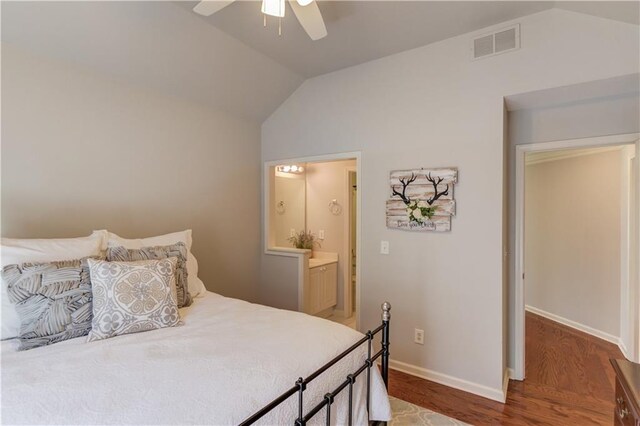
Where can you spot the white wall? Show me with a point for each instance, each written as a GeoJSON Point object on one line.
{"type": "Point", "coordinates": [160, 46]}
{"type": "Point", "coordinates": [431, 107]}
{"type": "Point", "coordinates": [325, 182]}
{"type": "Point", "coordinates": [588, 118]}
{"type": "Point", "coordinates": [81, 151]}
{"type": "Point", "coordinates": [572, 239]}
{"type": "Point", "coordinates": [279, 282]}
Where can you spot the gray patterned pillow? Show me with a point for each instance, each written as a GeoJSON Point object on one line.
{"type": "Point", "coordinates": [129, 297]}
{"type": "Point", "coordinates": [178, 250]}
{"type": "Point", "coordinates": [53, 300]}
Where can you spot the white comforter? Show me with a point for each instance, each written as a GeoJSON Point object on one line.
{"type": "Point", "coordinates": [229, 359]}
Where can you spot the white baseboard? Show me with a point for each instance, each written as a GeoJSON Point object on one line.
{"type": "Point", "coordinates": [581, 327]}
{"type": "Point", "coordinates": [453, 382]}
{"type": "Point", "coordinates": [505, 382]}
{"type": "Point", "coordinates": [624, 350]}
{"type": "Point", "coordinates": [576, 325]}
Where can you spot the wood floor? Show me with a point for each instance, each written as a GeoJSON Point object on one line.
{"type": "Point", "coordinates": [569, 382]}
{"type": "Point", "coordinates": [349, 322]}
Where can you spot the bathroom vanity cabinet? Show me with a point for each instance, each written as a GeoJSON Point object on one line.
{"type": "Point", "coordinates": [323, 286]}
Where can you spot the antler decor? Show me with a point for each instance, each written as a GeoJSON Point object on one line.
{"type": "Point", "coordinates": [417, 209]}
{"type": "Point", "coordinates": [435, 183]}
{"type": "Point", "coordinates": [405, 183]}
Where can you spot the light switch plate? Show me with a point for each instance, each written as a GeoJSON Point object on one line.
{"type": "Point", "coordinates": [292, 232]}
{"type": "Point", "coordinates": [384, 247]}
{"type": "Point", "coordinates": [321, 234]}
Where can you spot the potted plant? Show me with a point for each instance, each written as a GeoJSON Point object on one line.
{"type": "Point", "coordinates": [304, 240]}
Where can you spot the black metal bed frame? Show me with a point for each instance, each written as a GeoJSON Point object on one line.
{"type": "Point", "coordinates": [301, 384]}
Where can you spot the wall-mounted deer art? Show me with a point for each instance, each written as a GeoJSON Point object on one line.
{"type": "Point", "coordinates": [422, 199]}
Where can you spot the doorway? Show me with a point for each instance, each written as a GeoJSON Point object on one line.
{"type": "Point", "coordinates": [351, 226]}
{"type": "Point", "coordinates": [628, 295]}
{"type": "Point", "coordinates": [328, 282]}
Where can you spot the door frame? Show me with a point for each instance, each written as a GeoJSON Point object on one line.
{"type": "Point", "coordinates": [347, 275]}
{"type": "Point", "coordinates": [521, 151]}
{"type": "Point", "coordinates": [303, 260]}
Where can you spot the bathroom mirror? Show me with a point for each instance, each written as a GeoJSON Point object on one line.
{"type": "Point", "coordinates": [289, 200]}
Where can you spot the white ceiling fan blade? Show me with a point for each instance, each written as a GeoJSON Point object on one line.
{"type": "Point", "coordinates": [209, 7]}
{"type": "Point", "coordinates": [310, 18]}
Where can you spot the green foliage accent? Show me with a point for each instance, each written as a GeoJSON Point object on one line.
{"type": "Point", "coordinates": [429, 211]}
{"type": "Point", "coordinates": [304, 240]}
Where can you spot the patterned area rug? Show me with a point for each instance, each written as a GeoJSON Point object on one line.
{"type": "Point", "coordinates": [405, 414]}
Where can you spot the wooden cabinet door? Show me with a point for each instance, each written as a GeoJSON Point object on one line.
{"type": "Point", "coordinates": [329, 286]}
{"type": "Point", "coordinates": [315, 290]}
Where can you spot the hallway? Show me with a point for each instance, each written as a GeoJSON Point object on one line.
{"type": "Point", "coordinates": [569, 381]}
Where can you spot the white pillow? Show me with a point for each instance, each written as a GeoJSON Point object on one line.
{"type": "Point", "coordinates": [14, 251]}
{"type": "Point", "coordinates": [196, 286]}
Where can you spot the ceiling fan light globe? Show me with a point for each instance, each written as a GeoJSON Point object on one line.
{"type": "Point", "coordinates": [273, 8]}
{"type": "Point", "coordinates": [304, 2]}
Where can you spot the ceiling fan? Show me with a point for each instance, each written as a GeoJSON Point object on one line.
{"type": "Point", "coordinates": [306, 11]}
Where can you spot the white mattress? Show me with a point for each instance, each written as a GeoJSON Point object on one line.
{"type": "Point", "coordinates": [229, 359]}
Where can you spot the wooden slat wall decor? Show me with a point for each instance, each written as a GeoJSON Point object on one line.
{"type": "Point", "coordinates": [422, 199]}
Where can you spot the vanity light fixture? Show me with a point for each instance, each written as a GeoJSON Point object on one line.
{"type": "Point", "coordinates": [293, 168]}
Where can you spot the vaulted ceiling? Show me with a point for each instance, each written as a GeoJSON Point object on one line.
{"type": "Point", "coordinates": [229, 60]}
{"type": "Point", "coordinates": [361, 31]}
{"type": "Point", "coordinates": [152, 45]}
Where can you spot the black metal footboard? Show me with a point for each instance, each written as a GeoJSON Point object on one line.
{"type": "Point", "coordinates": [301, 384]}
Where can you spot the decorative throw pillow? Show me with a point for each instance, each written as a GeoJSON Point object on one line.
{"type": "Point", "coordinates": [16, 251]}
{"type": "Point", "coordinates": [179, 250]}
{"type": "Point", "coordinates": [196, 286]}
{"type": "Point", "coordinates": [129, 297]}
{"type": "Point", "coordinates": [53, 300]}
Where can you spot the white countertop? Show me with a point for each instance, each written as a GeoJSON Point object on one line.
{"type": "Point", "coordinates": [315, 262]}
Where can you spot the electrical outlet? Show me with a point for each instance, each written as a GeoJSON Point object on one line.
{"type": "Point", "coordinates": [384, 247]}
{"type": "Point", "coordinates": [292, 232]}
{"type": "Point", "coordinates": [418, 336]}
{"type": "Point", "coordinates": [321, 234]}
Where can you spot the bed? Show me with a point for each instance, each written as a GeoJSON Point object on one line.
{"type": "Point", "coordinates": [226, 361]}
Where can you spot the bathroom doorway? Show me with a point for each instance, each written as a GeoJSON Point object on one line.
{"type": "Point", "coordinates": [331, 215]}
{"type": "Point", "coordinates": [317, 198]}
